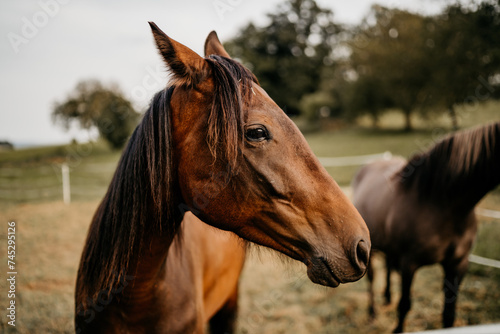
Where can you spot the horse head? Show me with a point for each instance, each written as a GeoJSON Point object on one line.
{"type": "Point", "coordinates": [242, 165]}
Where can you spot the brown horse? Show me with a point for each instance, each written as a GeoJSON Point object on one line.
{"type": "Point", "coordinates": [421, 211]}
{"type": "Point", "coordinates": [215, 144]}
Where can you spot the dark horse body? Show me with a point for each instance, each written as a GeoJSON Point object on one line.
{"type": "Point", "coordinates": [215, 144]}
{"type": "Point", "coordinates": [421, 211]}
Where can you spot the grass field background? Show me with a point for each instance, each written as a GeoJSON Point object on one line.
{"type": "Point", "coordinates": [276, 296]}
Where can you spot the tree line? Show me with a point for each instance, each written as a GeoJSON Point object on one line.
{"type": "Point", "coordinates": [315, 67]}
{"type": "Point", "coordinates": [394, 59]}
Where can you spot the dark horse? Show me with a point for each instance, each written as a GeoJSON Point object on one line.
{"type": "Point", "coordinates": [421, 211]}
{"type": "Point", "coordinates": [215, 144]}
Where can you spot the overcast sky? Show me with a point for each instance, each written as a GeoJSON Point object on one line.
{"type": "Point", "coordinates": [47, 46]}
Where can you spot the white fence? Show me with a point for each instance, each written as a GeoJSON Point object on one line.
{"type": "Point", "coordinates": [55, 182]}
{"type": "Point", "coordinates": [484, 261]}
{"type": "Point", "coordinates": [479, 329]}
{"type": "Point", "coordinates": [354, 160]}
{"type": "Point", "coordinates": [51, 182]}
{"type": "Point", "coordinates": [488, 213]}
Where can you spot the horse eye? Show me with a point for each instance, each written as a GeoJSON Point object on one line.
{"type": "Point", "coordinates": [257, 134]}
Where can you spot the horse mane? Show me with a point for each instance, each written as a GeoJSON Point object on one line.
{"type": "Point", "coordinates": [138, 201]}
{"type": "Point", "coordinates": [142, 199]}
{"type": "Point", "coordinates": [459, 170]}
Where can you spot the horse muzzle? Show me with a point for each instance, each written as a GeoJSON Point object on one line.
{"type": "Point", "coordinates": [320, 271]}
{"type": "Point", "coordinates": [331, 271]}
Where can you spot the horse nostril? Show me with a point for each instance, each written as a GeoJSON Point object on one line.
{"type": "Point", "coordinates": [362, 254]}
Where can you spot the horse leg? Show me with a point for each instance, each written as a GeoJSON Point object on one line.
{"type": "Point", "coordinates": [453, 278]}
{"type": "Point", "coordinates": [404, 306]}
{"type": "Point", "coordinates": [387, 293]}
{"type": "Point", "coordinates": [224, 321]}
{"type": "Point", "coordinates": [371, 307]}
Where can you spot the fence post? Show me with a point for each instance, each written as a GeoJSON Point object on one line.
{"type": "Point", "coordinates": [66, 185]}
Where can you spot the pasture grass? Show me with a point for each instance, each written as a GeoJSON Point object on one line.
{"type": "Point", "coordinates": [276, 295]}
{"type": "Point", "coordinates": [49, 240]}
{"type": "Point", "coordinates": [278, 298]}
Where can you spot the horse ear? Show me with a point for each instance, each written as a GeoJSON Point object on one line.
{"type": "Point", "coordinates": [214, 47]}
{"type": "Point", "coordinates": [187, 67]}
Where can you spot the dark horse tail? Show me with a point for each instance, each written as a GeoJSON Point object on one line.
{"type": "Point", "coordinates": [459, 170]}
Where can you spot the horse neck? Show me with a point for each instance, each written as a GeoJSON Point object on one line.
{"type": "Point", "coordinates": [459, 171]}
{"type": "Point", "coordinates": [483, 172]}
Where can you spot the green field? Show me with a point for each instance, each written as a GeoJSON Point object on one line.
{"type": "Point", "coordinates": [276, 297]}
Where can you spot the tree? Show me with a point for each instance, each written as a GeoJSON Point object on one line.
{"type": "Point", "coordinates": [466, 56]}
{"type": "Point", "coordinates": [289, 55]}
{"type": "Point", "coordinates": [93, 105]}
{"type": "Point", "coordinates": [365, 95]}
{"type": "Point", "coordinates": [390, 61]}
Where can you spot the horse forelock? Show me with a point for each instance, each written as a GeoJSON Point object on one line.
{"type": "Point", "coordinates": [232, 88]}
